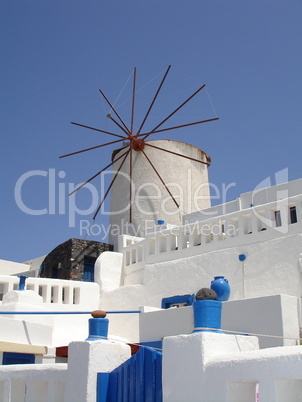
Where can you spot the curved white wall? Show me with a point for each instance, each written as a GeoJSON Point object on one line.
{"type": "Point", "coordinates": [186, 179]}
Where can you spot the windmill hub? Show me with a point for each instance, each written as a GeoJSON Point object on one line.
{"type": "Point", "coordinates": [137, 145]}
{"type": "Point", "coordinates": [137, 142]}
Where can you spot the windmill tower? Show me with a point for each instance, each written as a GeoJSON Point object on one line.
{"type": "Point", "coordinates": [151, 180]}
{"type": "Point", "coordinates": [169, 179]}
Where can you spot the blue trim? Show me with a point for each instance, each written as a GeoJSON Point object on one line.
{"type": "Point", "coordinates": [180, 299]}
{"type": "Point", "coordinates": [17, 358]}
{"type": "Point", "coordinates": [242, 257]}
{"type": "Point", "coordinates": [153, 344]}
{"type": "Point", "coordinates": [102, 387]}
{"type": "Point", "coordinates": [66, 312]}
{"type": "Point", "coordinates": [124, 312]}
{"type": "Point", "coordinates": [22, 282]}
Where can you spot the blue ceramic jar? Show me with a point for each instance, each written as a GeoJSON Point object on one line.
{"type": "Point", "coordinates": [221, 287]}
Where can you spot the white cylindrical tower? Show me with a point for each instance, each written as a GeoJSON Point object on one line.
{"type": "Point", "coordinates": [154, 174]}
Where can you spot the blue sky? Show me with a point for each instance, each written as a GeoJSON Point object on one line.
{"type": "Point", "coordinates": [56, 54]}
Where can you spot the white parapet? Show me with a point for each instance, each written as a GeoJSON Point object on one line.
{"type": "Point", "coordinates": [86, 359]}
{"type": "Point", "coordinates": [75, 382]}
{"type": "Point", "coordinates": [33, 382]}
{"type": "Point", "coordinates": [57, 293]}
{"type": "Point", "coordinates": [185, 361]}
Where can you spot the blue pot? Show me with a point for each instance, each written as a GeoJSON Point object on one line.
{"type": "Point", "coordinates": [221, 287]}
{"type": "Point", "coordinates": [207, 314]}
{"type": "Point", "coordinates": [98, 329]}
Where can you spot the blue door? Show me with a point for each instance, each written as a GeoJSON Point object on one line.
{"type": "Point", "coordinates": [138, 379]}
{"type": "Point", "coordinates": [88, 274]}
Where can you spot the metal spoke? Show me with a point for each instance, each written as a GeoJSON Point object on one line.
{"type": "Point", "coordinates": [160, 178]}
{"type": "Point", "coordinates": [111, 184]}
{"type": "Point", "coordinates": [130, 197]}
{"type": "Point", "coordinates": [175, 127]}
{"type": "Point", "coordinates": [94, 176]}
{"type": "Point", "coordinates": [89, 149]}
{"type": "Point", "coordinates": [113, 108]}
{"type": "Point", "coordinates": [126, 132]}
{"type": "Point", "coordinates": [152, 103]}
{"type": "Point", "coordinates": [133, 100]}
{"type": "Point", "coordinates": [96, 129]}
{"type": "Point", "coordinates": [176, 110]}
{"type": "Point", "coordinates": [175, 153]}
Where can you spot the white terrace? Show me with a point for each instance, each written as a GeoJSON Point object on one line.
{"type": "Point", "coordinates": [57, 293]}
{"type": "Point", "coordinates": [251, 225]}
{"type": "Point", "coordinates": [45, 296]}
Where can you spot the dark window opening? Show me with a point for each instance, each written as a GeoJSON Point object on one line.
{"type": "Point", "coordinates": [293, 215]}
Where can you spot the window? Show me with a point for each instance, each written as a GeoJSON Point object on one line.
{"type": "Point", "coordinates": [55, 272]}
{"type": "Point", "coordinates": [177, 301]}
{"type": "Point", "coordinates": [293, 215]}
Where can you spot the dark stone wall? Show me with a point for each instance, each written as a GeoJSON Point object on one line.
{"type": "Point", "coordinates": [66, 261]}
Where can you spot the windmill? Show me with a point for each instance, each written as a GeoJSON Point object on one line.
{"type": "Point", "coordinates": [135, 144]}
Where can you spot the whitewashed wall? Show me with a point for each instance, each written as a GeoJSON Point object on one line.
{"type": "Point", "coordinates": [72, 382]}
{"type": "Point", "coordinates": [272, 266]}
{"type": "Point", "coordinates": [35, 382]}
{"type": "Point", "coordinates": [12, 268]}
{"type": "Point", "coordinates": [274, 316]}
{"type": "Point", "coordinates": [257, 197]}
{"type": "Point", "coordinates": [199, 367]}
{"type": "Point", "coordinates": [151, 201]}
{"type": "Point", "coordinates": [25, 332]}
{"type": "Point", "coordinates": [56, 295]}
{"type": "Point", "coordinates": [213, 367]}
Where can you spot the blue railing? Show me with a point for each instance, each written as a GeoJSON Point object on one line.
{"type": "Point", "coordinates": [138, 379]}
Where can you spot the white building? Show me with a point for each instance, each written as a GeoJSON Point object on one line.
{"type": "Point", "coordinates": [254, 242]}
